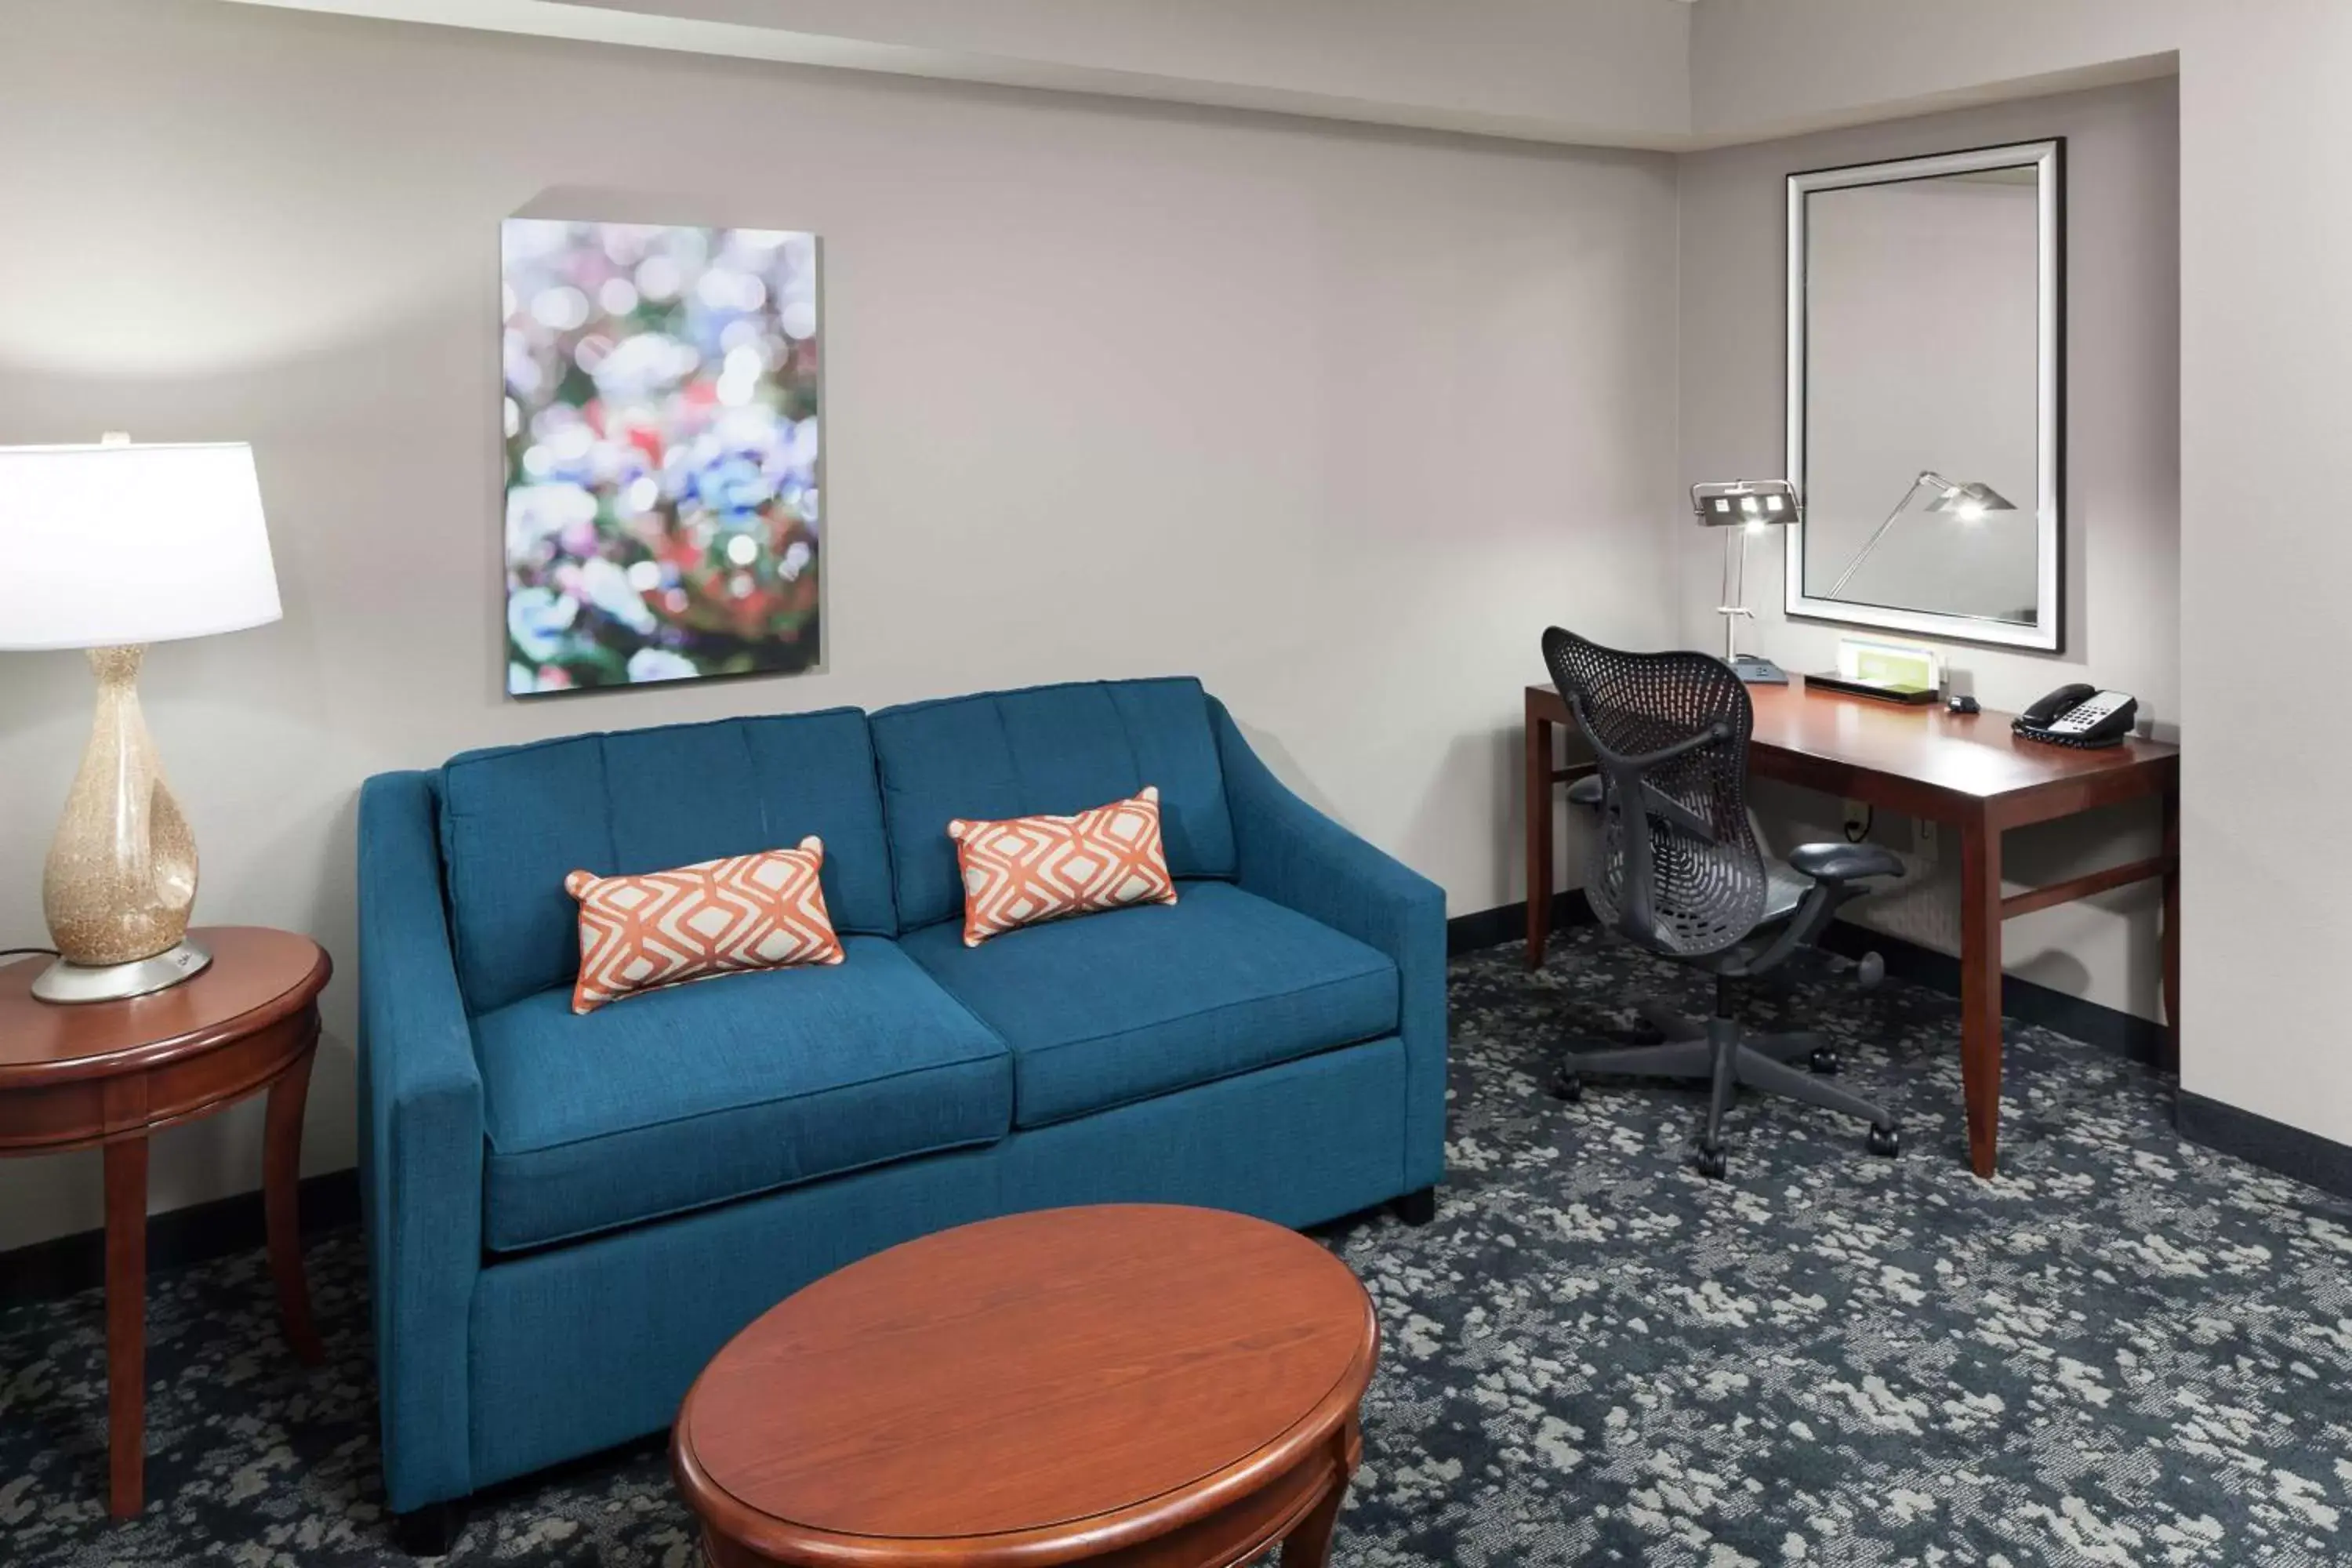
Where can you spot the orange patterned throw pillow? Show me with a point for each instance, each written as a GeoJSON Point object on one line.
{"type": "Point", "coordinates": [1025, 870]}
{"type": "Point", "coordinates": [717, 916]}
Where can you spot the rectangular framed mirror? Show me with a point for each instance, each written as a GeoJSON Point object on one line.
{"type": "Point", "coordinates": [1926, 437]}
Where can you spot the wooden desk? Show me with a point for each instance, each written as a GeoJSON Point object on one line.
{"type": "Point", "coordinates": [1968, 770]}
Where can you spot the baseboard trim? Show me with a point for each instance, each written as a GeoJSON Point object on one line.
{"type": "Point", "coordinates": [2273, 1145]}
{"type": "Point", "coordinates": [2109, 1029]}
{"type": "Point", "coordinates": [1493, 928]}
{"type": "Point", "coordinates": [2289, 1151]}
{"type": "Point", "coordinates": [48, 1269]}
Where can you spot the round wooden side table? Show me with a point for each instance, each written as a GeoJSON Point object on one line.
{"type": "Point", "coordinates": [1128, 1384]}
{"type": "Point", "coordinates": [109, 1073]}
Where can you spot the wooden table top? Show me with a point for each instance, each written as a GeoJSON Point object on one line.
{"type": "Point", "coordinates": [1082, 1373]}
{"type": "Point", "coordinates": [256, 977]}
{"type": "Point", "coordinates": [1963, 753]}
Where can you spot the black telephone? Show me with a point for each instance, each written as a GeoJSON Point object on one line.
{"type": "Point", "coordinates": [2079, 715]}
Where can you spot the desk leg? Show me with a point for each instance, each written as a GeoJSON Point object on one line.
{"type": "Point", "coordinates": [2172, 931]}
{"type": "Point", "coordinates": [126, 1325]}
{"type": "Point", "coordinates": [1539, 804]}
{"type": "Point", "coordinates": [1981, 987]}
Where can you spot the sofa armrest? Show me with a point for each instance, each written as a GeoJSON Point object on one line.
{"type": "Point", "coordinates": [420, 1144]}
{"type": "Point", "coordinates": [1293, 854]}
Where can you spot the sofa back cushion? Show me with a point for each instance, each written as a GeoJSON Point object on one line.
{"type": "Point", "coordinates": [516, 820]}
{"type": "Point", "coordinates": [1047, 749]}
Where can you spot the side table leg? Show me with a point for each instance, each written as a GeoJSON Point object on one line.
{"type": "Point", "coordinates": [281, 1186]}
{"type": "Point", "coordinates": [126, 1325]}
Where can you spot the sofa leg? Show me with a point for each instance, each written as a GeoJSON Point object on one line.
{"type": "Point", "coordinates": [1416, 1208]}
{"type": "Point", "coordinates": [431, 1530]}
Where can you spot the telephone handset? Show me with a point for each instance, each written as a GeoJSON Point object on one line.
{"type": "Point", "coordinates": [2079, 715]}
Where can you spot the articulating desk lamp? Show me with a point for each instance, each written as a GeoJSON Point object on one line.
{"type": "Point", "coordinates": [1968, 502]}
{"type": "Point", "coordinates": [1745, 507]}
{"type": "Point", "coordinates": [109, 547]}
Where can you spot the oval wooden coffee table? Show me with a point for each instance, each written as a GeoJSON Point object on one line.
{"type": "Point", "coordinates": [1128, 1384]}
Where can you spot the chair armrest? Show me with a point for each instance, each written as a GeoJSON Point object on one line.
{"type": "Point", "coordinates": [1833, 862]}
{"type": "Point", "coordinates": [420, 1144]}
{"type": "Point", "coordinates": [1835, 868]}
{"type": "Point", "coordinates": [1294, 855]}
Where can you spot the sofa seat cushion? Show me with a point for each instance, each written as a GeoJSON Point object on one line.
{"type": "Point", "coordinates": [1121, 1006]}
{"type": "Point", "coordinates": [724, 1088]}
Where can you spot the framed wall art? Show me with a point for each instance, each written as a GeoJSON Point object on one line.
{"type": "Point", "coordinates": [663, 453]}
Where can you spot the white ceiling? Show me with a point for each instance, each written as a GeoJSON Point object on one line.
{"type": "Point", "coordinates": [1581, 72]}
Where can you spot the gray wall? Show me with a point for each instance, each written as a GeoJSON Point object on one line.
{"type": "Point", "coordinates": [2265, 331]}
{"type": "Point", "coordinates": [1332, 417]}
{"type": "Point", "coordinates": [2123, 477]}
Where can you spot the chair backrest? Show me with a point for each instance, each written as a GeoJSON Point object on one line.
{"type": "Point", "coordinates": [1679, 868]}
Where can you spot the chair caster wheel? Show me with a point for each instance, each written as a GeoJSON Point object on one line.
{"type": "Point", "coordinates": [1824, 1061]}
{"type": "Point", "coordinates": [1712, 1165]}
{"type": "Point", "coordinates": [1567, 1086]}
{"type": "Point", "coordinates": [1885, 1140]}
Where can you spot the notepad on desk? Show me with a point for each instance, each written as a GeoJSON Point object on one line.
{"type": "Point", "coordinates": [1884, 669]}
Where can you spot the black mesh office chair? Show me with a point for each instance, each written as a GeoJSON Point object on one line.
{"type": "Point", "coordinates": [1679, 872]}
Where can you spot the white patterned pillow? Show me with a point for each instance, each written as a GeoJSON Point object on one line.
{"type": "Point", "coordinates": [716, 917]}
{"type": "Point", "coordinates": [1025, 870]}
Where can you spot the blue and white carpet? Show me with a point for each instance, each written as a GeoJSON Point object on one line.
{"type": "Point", "coordinates": [2123, 1351]}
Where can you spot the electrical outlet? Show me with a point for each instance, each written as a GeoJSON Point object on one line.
{"type": "Point", "coordinates": [1923, 838]}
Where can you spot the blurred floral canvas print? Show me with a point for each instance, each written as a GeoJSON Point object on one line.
{"type": "Point", "coordinates": [661, 452]}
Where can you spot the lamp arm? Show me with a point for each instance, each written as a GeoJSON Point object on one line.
{"type": "Point", "coordinates": [1927, 477]}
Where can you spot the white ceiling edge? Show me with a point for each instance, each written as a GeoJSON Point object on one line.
{"type": "Point", "coordinates": [638, 30]}
{"type": "Point", "coordinates": [596, 24]}
{"type": "Point", "coordinates": [2073, 79]}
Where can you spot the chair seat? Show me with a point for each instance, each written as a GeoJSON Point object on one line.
{"type": "Point", "coordinates": [1785, 888]}
{"type": "Point", "coordinates": [1107, 1009]}
{"type": "Point", "coordinates": [723, 1087]}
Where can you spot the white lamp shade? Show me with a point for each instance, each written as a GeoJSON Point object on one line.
{"type": "Point", "coordinates": [102, 546]}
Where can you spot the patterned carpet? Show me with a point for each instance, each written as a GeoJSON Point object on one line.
{"type": "Point", "coordinates": [2124, 1350]}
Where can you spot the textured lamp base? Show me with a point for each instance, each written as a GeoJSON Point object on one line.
{"type": "Point", "coordinates": [70, 983]}
{"type": "Point", "coordinates": [122, 872]}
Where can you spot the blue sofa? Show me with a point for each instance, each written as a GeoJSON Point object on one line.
{"type": "Point", "coordinates": [567, 1216]}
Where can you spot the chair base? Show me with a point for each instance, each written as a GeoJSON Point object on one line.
{"type": "Point", "coordinates": [1719, 1052]}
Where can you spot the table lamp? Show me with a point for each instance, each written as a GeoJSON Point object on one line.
{"type": "Point", "coordinates": [1746, 507]}
{"type": "Point", "coordinates": [109, 548]}
{"type": "Point", "coordinates": [1968, 502]}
